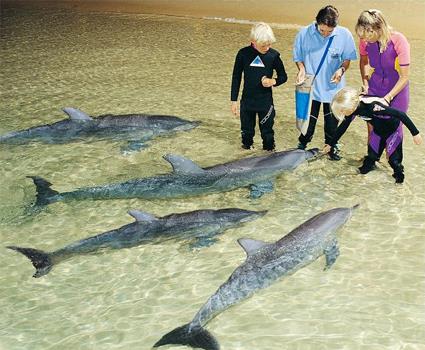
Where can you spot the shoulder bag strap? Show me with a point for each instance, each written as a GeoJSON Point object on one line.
{"type": "Point", "coordinates": [324, 55]}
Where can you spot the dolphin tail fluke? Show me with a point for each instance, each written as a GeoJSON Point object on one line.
{"type": "Point", "coordinates": [41, 260]}
{"type": "Point", "coordinates": [196, 338]}
{"type": "Point", "coordinates": [44, 193]}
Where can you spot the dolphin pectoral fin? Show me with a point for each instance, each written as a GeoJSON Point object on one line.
{"type": "Point", "coordinates": [331, 253]}
{"type": "Point", "coordinates": [195, 337]}
{"type": "Point", "coordinates": [206, 238]}
{"type": "Point", "coordinates": [203, 242]}
{"type": "Point", "coordinates": [182, 165]}
{"type": "Point", "coordinates": [76, 114]}
{"type": "Point", "coordinates": [258, 189]}
{"type": "Point", "coordinates": [133, 146]}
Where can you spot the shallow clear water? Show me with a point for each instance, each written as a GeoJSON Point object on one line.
{"type": "Point", "coordinates": [372, 298]}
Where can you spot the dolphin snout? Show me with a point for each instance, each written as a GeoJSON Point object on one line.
{"type": "Point", "coordinates": [262, 212]}
{"type": "Point", "coordinates": [188, 125]}
{"type": "Point", "coordinates": [254, 215]}
{"type": "Point", "coordinates": [312, 152]}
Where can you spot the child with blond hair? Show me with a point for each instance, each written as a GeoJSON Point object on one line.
{"type": "Point", "coordinates": [388, 135]}
{"type": "Point", "coordinates": [257, 62]}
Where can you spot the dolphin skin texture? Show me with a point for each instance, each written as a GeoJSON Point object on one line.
{"type": "Point", "coordinates": [135, 128]}
{"type": "Point", "coordinates": [187, 179]}
{"type": "Point", "coordinates": [201, 226]}
{"type": "Point", "coordinates": [265, 263]}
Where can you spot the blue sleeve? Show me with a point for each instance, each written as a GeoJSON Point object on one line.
{"type": "Point", "coordinates": [297, 51]}
{"type": "Point", "coordinates": [349, 47]}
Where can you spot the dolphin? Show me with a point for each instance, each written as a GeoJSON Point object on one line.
{"type": "Point", "coordinates": [200, 226]}
{"type": "Point", "coordinates": [135, 128]}
{"type": "Point", "coordinates": [187, 179]}
{"type": "Point", "coordinates": [265, 263]}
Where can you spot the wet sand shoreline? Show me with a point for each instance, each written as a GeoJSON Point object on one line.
{"type": "Point", "coordinates": [408, 20]}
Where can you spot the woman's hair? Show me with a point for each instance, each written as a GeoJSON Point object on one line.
{"type": "Point", "coordinates": [373, 22]}
{"type": "Point", "coordinates": [346, 99]}
{"type": "Point", "coordinates": [262, 33]}
{"type": "Point", "coordinates": [328, 16]}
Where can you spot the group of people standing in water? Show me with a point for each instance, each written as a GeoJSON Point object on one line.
{"type": "Point", "coordinates": [382, 101]}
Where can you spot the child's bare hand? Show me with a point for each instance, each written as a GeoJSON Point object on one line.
{"type": "Point", "coordinates": [268, 82]}
{"type": "Point", "coordinates": [417, 139]}
{"type": "Point", "coordinates": [326, 149]}
{"type": "Point", "coordinates": [234, 108]}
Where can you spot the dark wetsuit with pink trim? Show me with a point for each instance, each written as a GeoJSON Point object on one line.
{"type": "Point", "coordinates": [387, 133]}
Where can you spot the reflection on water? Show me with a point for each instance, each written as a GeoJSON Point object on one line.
{"type": "Point", "coordinates": [373, 297]}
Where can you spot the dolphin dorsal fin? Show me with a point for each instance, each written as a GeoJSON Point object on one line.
{"type": "Point", "coordinates": [141, 216]}
{"type": "Point", "coordinates": [76, 114]}
{"type": "Point", "coordinates": [251, 245]}
{"type": "Point", "coordinates": [183, 165]}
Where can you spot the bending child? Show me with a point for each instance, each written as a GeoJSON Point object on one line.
{"type": "Point", "coordinates": [257, 63]}
{"type": "Point", "coordinates": [386, 134]}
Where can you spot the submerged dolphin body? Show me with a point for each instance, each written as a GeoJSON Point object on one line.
{"type": "Point", "coordinates": [265, 264]}
{"type": "Point", "coordinates": [135, 128]}
{"type": "Point", "coordinates": [200, 226]}
{"type": "Point", "coordinates": [187, 179]}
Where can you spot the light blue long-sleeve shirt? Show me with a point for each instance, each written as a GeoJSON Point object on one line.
{"type": "Point", "coordinates": [309, 47]}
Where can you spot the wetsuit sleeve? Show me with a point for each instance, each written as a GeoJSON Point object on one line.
{"type": "Point", "coordinates": [403, 117]}
{"type": "Point", "coordinates": [278, 66]}
{"type": "Point", "coordinates": [236, 77]}
{"type": "Point", "coordinates": [362, 48]}
{"type": "Point", "coordinates": [342, 128]}
{"type": "Point", "coordinates": [402, 48]}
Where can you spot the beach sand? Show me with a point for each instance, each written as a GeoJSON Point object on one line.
{"type": "Point", "coordinates": [407, 16]}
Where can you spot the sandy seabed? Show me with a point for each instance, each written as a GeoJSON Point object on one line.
{"type": "Point", "coordinates": [407, 16]}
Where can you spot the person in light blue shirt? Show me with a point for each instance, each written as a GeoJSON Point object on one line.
{"type": "Point", "coordinates": [309, 47]}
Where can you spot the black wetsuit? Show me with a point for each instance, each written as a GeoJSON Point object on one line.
{"type": "Point", "coordinates": [387, 134]}
{"type": "Point", "coordinates": [256, 99]}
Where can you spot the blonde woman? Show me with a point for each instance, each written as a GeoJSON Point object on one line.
{"type": "Point", "coordinates": [387, 52]}
{"type": "Point", "coordinates": [385, 120]}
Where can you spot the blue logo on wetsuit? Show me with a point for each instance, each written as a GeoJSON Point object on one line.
{"type": "Point", "coordinates": [257, 62]}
